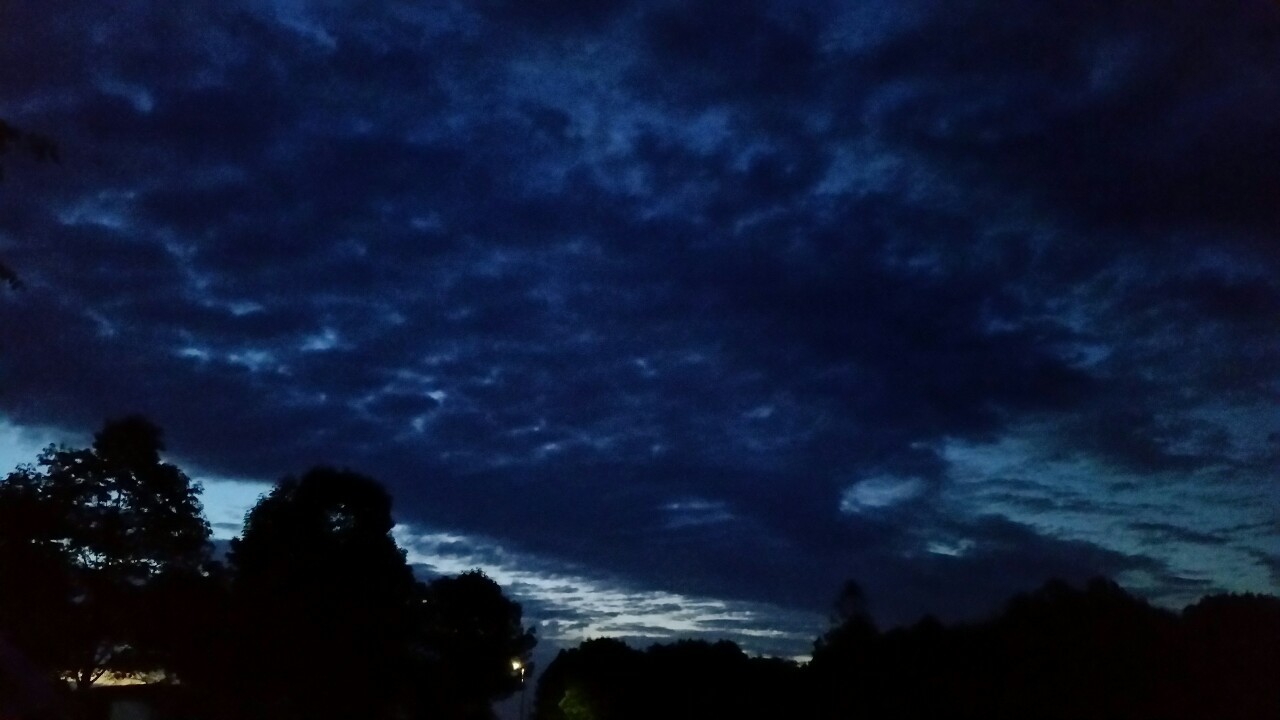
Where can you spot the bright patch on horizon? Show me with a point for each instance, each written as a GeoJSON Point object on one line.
{"type": "Point", "coordinates": [573, 606]}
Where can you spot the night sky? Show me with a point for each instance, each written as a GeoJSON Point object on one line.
{"type": "Point", "coordinates": [673, 316]}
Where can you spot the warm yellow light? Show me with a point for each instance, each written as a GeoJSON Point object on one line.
{"type": "Point", "coordinates": [516, 664]}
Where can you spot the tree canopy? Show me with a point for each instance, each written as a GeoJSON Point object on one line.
{"type": "Point", "coordinates": [471, 633]}
{"type": "Point", "coordinates": [331, 621]}
{"type": "Point", "coordinates": [604, 679]}
{"type": "Point", "coordinates": [1056, 652]}
{"type": "Point", "coordinates": [89, 534]}
{"type": "Point", "coordinates": [321, 597]}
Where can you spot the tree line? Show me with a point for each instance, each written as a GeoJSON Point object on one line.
{"type": "Point", "coordinates": [107, 570]}
{"type": "Point", "coordinates": [1058, 653]}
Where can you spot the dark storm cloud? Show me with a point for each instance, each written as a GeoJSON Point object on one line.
{"type": "Point", "coordinates": [552, 15]}
{"type": "Point", "coordinates": [754, 52]}
{"type": "Point", "coordinates": [696, 292]}
{"type": "Point", "coordinates": [1139, 111]}
{"type": "Point", "coordinates": [1136, 129]}
{"type": "Point", "coordinates": [652, 524]}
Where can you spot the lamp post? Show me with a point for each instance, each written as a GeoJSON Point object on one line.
{"type": "Point", "coordinates": [519, 667]}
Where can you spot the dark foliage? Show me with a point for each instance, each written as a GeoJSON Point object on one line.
{"type": "Point", "coordinates": [1058, 652]}
{"type": "Point", "coordinates": [104, 566]}
{"type": "Point", "coordinates": [605, 679]}
{"type": "Point", "coordinates": [89, 538]}
{"type": "Point", "coordinates": [1061, 652]}
{"type": "Point", "coordinates": [470, 634]}
{"type": "Point", "coordinates": [1231, 655]}
{"type": "Point", "coordinates": [600, 678]}
{"type": "Point", "coordinates": [321, 600]}
{"type": "Point", "coordinates": [329, 622]}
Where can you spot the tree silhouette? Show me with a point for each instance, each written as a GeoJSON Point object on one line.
{"type": "Point", "coordinates": [321, 601]}
{"type": "Point", "coordinates": [604, 679]}
{"type": "Point", "coordinates": [1232, 647]}
{"type": "Point", "coordinates": [601, 679]}
{"type": "Point", "coordinates": [844, 661]}
{"type": "Point", "coordinates": [1057, 652]}
{"type": "Point", "coordinates": [86, 537]}
{"type": "Point", "coordinates": [1061, 652]}
{"type": "Point", "coordinates": [328, 620]}
{"type": "Point", "coordinates": [471, 633]}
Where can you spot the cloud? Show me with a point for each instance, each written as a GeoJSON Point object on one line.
{"type": "Point", "coordinates": [660, 288]}
{"type": "Point", "coordinates": [551, 15]}
{"type": "Point", "coordinates": [570, 604]}
{"type": "Point", "coordinates": [879, 492]}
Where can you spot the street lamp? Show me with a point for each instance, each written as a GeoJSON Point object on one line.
{"type": "Point", "coordinates": [518, 667]}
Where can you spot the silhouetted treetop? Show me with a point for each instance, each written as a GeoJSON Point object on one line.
{"type": "Point", "coordinates": [133, 439]}
{"type": "Point", "coordinates": [88, 534]}
{"type": "Point", "coordinates": [604, 679]}
{"type": "Point", "coordinates": [1062, 652]}
{"type": "Point", "coordinates": [318, 579]}
{"type": "Point", "coordinates": [327, 522]}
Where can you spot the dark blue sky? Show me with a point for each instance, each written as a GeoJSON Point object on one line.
{"type": "Point", "coordinates": [675, 315]}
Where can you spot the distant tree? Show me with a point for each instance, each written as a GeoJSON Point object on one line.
{"type": "Point", "coordinates": [471, 634]}
{"type": "Point", "coordinates": [1232, 648]}
{"type": "Point", "coordinates": [86, 538]}
{"type": "Point", "coordinates": [852, 629]}
{"type": "Point", "coordinates": [601, 679]}
{"type": "Point", "coordinates": [698, 679]}
{"type": "Point", "coordinates": [850, 604]}
{"type": "Point", "coordinates": [1059, 652]}
{"type": "Point", "coordinates": [1063, 652]}
{"type": "Point", "coordinates": [604, 679]}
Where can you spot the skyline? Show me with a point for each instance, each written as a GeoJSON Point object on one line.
{"type": "Point", "coordinates": [677, 315]}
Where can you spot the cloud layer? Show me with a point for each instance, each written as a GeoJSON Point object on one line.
{"type": "Point", "coordinates": [732, 300]}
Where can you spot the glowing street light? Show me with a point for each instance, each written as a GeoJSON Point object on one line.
{"type": "Point", "coordinates": [518, 666]}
